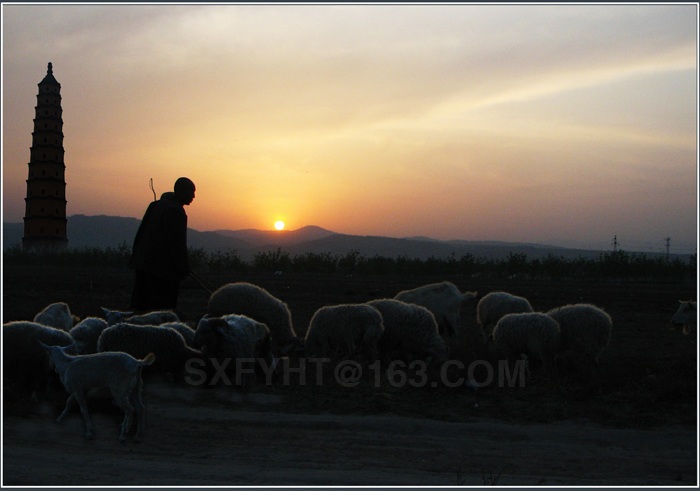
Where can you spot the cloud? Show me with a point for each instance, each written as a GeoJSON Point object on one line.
{"type": "Point", "coordinates": [363, 111]}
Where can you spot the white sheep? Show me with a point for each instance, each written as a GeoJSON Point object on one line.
{"type": "Point", "coordinates": [25, 365]}
{"type": "Point", "coordinates": [118, 372]}
{"type": "Point", "coordinates": [153, 318]}
{"type": "Point", "coordinates": [171, 350]}
{"type": "Point", "coordinates": [57, 315]}
{"type": "Point", "coordinates": [86, 333]}
{"type": "Point", "coordinates": [166, 318]}
{"type": "Point", "coordinates": [533, 334]}
{"type": "Point", "coordinates": [410, 333]}
{"type": "Point", "coordinates": [686, 317]}
{"type": "Point", "coordinates": [585, 332]}
{"type": "Point", "coordinates": [346, 331]}
{"type": "Point", "coordinates": [257, 303]}
{"type": "Point", "coordinates": [236, 341]}
{"type": "Point", "coordinates": [443, 299]}
{"type": "Point", "coordinates": [495, 305]}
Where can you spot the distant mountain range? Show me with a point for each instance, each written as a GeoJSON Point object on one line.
{"type": "Point", "coordinates": [110, 231]}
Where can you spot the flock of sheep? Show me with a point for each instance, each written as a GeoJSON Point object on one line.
{"type": "Point", "coordinates": [245, 321]}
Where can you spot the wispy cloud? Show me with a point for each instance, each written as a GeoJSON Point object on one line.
{"type": "Point", "coordinates": [456, 112]}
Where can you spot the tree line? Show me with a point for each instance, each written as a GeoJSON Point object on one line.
{"type": "Point", "coordinates": [614, 265]}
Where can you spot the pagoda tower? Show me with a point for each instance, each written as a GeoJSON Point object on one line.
{"type": "Point", "coordinates": [45, 213]}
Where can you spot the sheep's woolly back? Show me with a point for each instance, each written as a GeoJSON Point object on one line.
{"type": "Point", "coordinates": [534, 334]}
{"type": "Point", "coordinates": [56, 315]}
{"type": "Point", "coordinates": [585, 329]}
{"type": "Point", "coordinates": [443, 299]}
{"type": "Point", "coordinates": [154, 318]}
{"type": "Point", "coordinates": [186, 331]}
{"type": "Point", "coordinates": [24, 361]}
{"type": "Point", "coordinates": [20, 340]}
{"type": "Point", "coordinates": [345, 331]}
{"type": "Point", "coordinates": [410, 331]}
{"type": "Point", "coordinates": [86, 333]}
{"type": "Point", "coordinates": [495, 305]}
{"type": "Point", "coordinates": [167, 344]}
{"type": "Point", "coordinates": [259, 304]}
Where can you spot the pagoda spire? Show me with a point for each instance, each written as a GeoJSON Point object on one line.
{"type": "Point", "coordinates": [45, 221]}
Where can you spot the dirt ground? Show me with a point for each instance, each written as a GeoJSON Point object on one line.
{"type": "Point", "coordinates": [635, 426]}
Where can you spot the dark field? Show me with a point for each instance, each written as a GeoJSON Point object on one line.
{"type": "Point", "coordinates": [634, 425]}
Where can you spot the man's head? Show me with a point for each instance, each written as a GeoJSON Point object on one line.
{"type": "Point", "coordinates": [184, 190]}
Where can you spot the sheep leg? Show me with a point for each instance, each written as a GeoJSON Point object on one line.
{"type": "Point", "coordinates": [69, 404]}
{"type": "Point", "coordinates": [128, 414]}
{"type": "Point", "coordinates": [140, 411]}
{"type": "Point", "coordinates": [82, 402]}
{"type": "Point", "coordinates": [140, 423]}
{"type": "Point", "coordinates": [125, 404]}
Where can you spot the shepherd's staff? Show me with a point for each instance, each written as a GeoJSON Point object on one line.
{"type": "Point", "coordinates": [150, 185]}
{"type": "Point", "coordinates": [206, 285]}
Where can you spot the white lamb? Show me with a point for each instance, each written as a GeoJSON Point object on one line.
{"type": "Point", "coordinates": [685, 319]}
{"type": "Point", "coordinates": [410, 333]}
{"type": "Point", "coordinates": [346, 331]}
{"type": "Point", "coordinates": [495, 305]}
{"type": "Point", "coordinates": [57, 315]}
{"type": "Point", "coordinates": [259, 304]}
{"type": "Point", "coordinates": [533, 334]}
{"type": "Point", "coordinates": [443, 299]}
{"type": "Point", "coordinates": [118, 372]}
{"type": "Point", "coordinates": [585, 332]}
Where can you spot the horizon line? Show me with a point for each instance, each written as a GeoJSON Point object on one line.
{"type": "Point", "coordinates": [686, 248]}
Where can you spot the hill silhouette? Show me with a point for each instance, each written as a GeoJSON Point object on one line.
{"type": "Point", "coordinates": [277, 238]}
{"type": "Point", "coordinates": [102, 231]}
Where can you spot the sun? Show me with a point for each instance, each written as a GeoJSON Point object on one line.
{"type": "Point", "coordinates": [279, 225]}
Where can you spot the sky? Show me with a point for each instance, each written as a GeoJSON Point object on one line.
{"type": "Point", "coordinates": [564, 124]}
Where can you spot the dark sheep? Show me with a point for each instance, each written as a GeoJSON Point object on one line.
{"type": "Point", "coordinates": [171, 350]}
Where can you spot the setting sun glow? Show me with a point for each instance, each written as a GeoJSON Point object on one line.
{"type": "Point", "coordinates": [337, 116]}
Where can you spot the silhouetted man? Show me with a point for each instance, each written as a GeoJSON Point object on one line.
{"type": "Point", "coordinates": [159, 254]}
